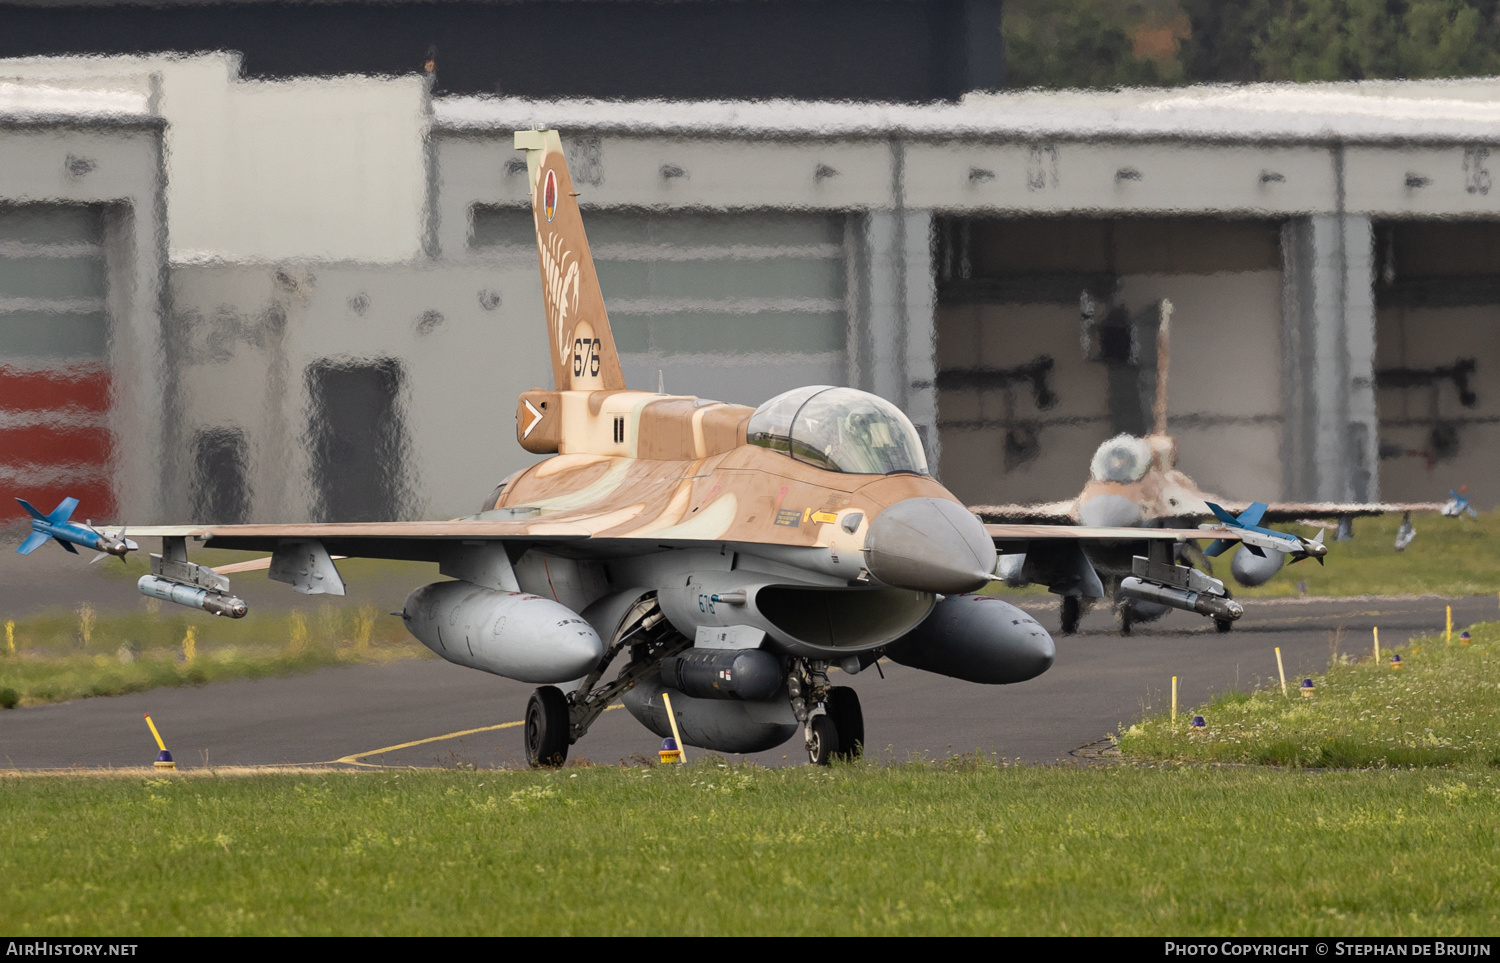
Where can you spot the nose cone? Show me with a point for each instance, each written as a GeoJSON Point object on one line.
{"type": "Point", "coordinates": [1110, 511]}
{"type": "Point", "coordinates": [929, 545]}
{"type": "Point", "coordinates": [1032, 656]}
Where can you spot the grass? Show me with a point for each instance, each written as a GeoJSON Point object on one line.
{"type": "Point", "coordinates": [965, 847]}
{"type": "Point", "coordinates": [71, 655]}
{"type": "Point", "coordinates": [1442, 708]}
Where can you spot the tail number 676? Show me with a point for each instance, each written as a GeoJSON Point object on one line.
{"type": "Point", "coordinates": [585, 357]}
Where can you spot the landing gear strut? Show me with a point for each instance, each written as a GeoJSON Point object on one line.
{"type": "Point", "coordinates": [1072, 611]}
{"type": "Point", "coordinates": [555, 721]}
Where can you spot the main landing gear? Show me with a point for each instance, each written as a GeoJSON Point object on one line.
{"type": "Point", "coordinates": [555, 721]}
{"type": "Point", "coordinates": [834, 723]}
{"type": "Point", "coordinates": [547, 727]}
{"type": "Point", "coordinates": [1072, 612]}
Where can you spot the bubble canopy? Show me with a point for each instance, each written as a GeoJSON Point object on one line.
{"type": "Point", "coordinates": [839, 429]}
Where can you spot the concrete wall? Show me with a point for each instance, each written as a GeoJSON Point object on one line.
{"type": "Point", "coordinates": [116, 165]}
{"type": "Point", "coordinates": [326, 168]}
{"type": "Point", "coordinates": [469, 340]}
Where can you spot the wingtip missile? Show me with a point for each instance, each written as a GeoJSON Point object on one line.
{"type": "Point", "coordinates": [1257, 539]}
{"type": "Point", "coordinates": [57, 525]}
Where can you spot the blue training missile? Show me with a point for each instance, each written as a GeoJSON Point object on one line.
{"type": "Point", "coordinates": [68, 534]}
{"type": "Point", "coordinates": [1256, 538]}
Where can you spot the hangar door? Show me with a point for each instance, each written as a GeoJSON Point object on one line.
{"type": "Point", "coordinates": [54, 375]}
{"type": "Point", "coordinates": [732, 305]}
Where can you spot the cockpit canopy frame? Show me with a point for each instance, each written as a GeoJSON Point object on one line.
{"type": "Point", "coordinates": [839, 429]}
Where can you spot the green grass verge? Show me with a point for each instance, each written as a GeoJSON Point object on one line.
{"type": "Point", "coordinates": [963, 848]}
{"type": "Point", "coordinates": [73, 655]}
{"type": "Point", "coordinates": [1441, 708]}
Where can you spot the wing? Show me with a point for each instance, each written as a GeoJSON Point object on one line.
{"type": "Point", "coordinates": [1047, 513]}
{"type": "Point", "coordinates": [1005, 534]}
{"type": "Point", "coordinates": [410, 541]}
{"type": "Point", "coordinates": [1068, 559]}
{"type": "Point", "coordinates": [1296, 511]}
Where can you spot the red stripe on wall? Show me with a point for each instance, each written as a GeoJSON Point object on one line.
{"type": "Point", "coordinates": [95, 500]}
{"type": "Point", "coordinates": [41, 445]}
{"type": "Point", "coordinates": [82, 386]}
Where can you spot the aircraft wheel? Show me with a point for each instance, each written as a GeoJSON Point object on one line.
{"type": "Point", "coordinates": [1125, 620]}
{"type": "Point", "coordinates": [825, 741]}
{"type": "Point", "coordinates": [546, 728]}
{"type": "Point", "coordinates": [848, 722]}
{"type": "Point", "coordinates": [1072, 611]}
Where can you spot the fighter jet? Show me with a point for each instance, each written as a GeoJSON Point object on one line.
{"type": "Point", "coordinates": [1134, 481]}
{"type": "Point", "coordinates": [730, 558]}
{"type": "Point", "coordinates": [1458, 503]}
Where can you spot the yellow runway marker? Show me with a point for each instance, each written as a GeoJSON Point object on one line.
{"type": "Point", "coordinates": [163, 758]}
{"type": "Point", "coordinates": [354, 759]}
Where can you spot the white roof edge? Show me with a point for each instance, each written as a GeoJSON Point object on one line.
{"type": "Point", "coordinates": [1367, 111]}
{"type": "Point", "coordinates": [41, 102]}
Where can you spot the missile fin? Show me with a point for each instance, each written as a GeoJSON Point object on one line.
{"type": "Point", "coordinates": [63, 511]}
{"type": "Point", "coordinates": [32, 510]}
{"type": "Point", "coordinates": [33, 541]}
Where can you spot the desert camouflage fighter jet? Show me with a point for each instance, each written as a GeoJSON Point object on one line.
{"type": "Point", "coordinates": [1134, 481]}
{"type": "Point", "coordinates": [726, 556]}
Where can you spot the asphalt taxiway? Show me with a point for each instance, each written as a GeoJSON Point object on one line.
{"type": "Point", "coordinates": [423, 712]}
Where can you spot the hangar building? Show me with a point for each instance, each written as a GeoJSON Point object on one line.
{"type": "Point", "coordinates": [319, 297]}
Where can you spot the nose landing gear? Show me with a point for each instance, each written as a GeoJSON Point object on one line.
{"type": "Point", "coordinates": [834, 721]}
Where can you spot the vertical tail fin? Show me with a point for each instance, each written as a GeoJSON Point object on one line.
{"type": "Point", "coordinates": [583, 348]}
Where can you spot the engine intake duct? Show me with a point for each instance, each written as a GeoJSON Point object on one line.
{"type": "Point", "coordinates": [811, 621]}
{"type": "Point", "coordinates": [745, 674]}
{"type": "Point", "coordinates": [841, 618]}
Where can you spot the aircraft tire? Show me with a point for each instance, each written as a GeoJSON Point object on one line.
{"type": "Point", "coordinates": [825, 741]}
{"type": "Point", "coordinates": [848, 722]}
{"type": "Point", "coordinates": [546, 728]}
{"type": "Point", "coordinates": [1072, 612]}
{"type": "Point", "coordinates": [1125, 620]}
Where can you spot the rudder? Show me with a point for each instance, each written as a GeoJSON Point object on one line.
{"type": "Point", "coordinates": [583, 347]}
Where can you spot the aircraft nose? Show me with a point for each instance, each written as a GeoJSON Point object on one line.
{"type": "Point", "coordinates": [1110, 511]}
{"type": "Point", "coordinates": [930, 545]}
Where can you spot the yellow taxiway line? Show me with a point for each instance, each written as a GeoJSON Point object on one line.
{"type": "Point", "coordinates": [355, 759]}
